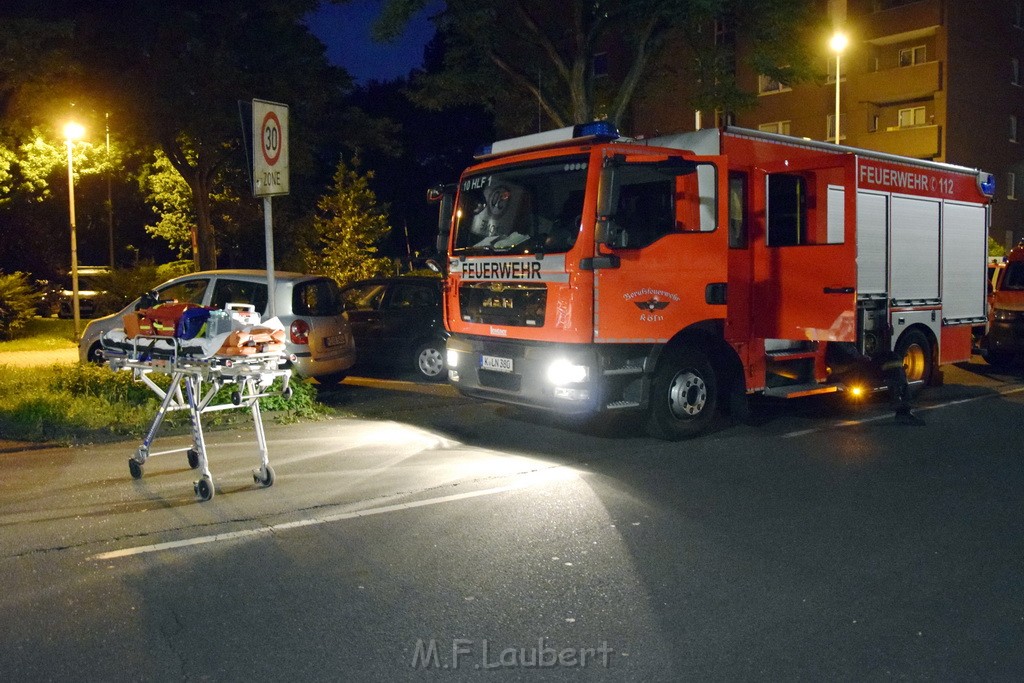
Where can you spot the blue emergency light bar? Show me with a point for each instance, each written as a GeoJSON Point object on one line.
{"type": "Point", "coordinates": [987, 184]}
{"type": "Point", "coordinates": [603, 131]}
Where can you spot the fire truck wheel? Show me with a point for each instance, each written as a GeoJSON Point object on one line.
{"type": "Point", "coordinates": [916, 352]}
{"type": "Point", "coordinates": [684, 395]}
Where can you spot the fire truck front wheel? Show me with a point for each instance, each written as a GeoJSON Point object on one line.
{"type": "Point", "coordinates": [684, 395]}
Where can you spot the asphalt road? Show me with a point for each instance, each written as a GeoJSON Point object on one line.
{"type": "Point", "coordinates": [438, 538]}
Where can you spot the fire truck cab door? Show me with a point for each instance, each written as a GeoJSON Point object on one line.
{"type": "Point", "coordinates": [804, 261]}
{"type": "Point", "coordinates": [658, 245]}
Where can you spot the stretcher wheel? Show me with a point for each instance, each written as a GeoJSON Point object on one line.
{"type": "Point", "coordinates": [204, 488]}
{"type": "Point", "coordinates": [287, 393]}
{"type": "Point", "coordinates": [264, 479]}
{"type": "Point", "coordinates": [193, 458]}
{"type": "Point", "coordinates": [236, 398]}
{"type": "Point", "coordinates": [135, 468]}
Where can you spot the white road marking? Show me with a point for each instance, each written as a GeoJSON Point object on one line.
{"type": "Point", "coordinates": [888, 415]}
{"type": "Point", "coordinates": [534, 479]}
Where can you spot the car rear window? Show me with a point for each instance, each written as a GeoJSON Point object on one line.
{"type": "Point", "coordinates": [230, 291]}
{"type": "Point", "coordinates": [317, 297]}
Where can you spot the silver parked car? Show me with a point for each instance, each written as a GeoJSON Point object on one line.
{"type": "Point", "coordinates": [309, 306]}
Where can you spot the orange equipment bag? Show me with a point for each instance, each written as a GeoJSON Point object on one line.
{"type": "Point", "coordinates": [161, 320]}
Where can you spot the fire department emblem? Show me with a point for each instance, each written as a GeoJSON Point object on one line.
{"type": "Point", "coordinates": [652, 304]}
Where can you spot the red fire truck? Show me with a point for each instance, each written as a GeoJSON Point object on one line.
{"type": "Point", "coordinates": [678, 275]}
{"type": "Point", "coordinates": [1004, 340]}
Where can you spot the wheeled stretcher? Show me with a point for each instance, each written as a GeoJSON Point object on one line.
{"type": "Point", "coordinates": [196, 379]}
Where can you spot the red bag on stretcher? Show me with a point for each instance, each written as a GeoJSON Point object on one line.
{"type": "Point", "coordinates": [184, 321]}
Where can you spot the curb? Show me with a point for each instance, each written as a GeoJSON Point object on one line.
{"type": "Point", "coordinates": [19, 446]}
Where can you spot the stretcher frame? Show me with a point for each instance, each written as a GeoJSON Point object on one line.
{"type": "Point", "coordinates": [252, 374]}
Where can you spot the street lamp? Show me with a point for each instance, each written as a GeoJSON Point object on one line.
{"type": "Point", "coordinates": [838, 43]}
{"type": "Point", "coordinates": [73, 131]}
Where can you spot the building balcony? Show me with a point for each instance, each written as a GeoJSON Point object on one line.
{"type": "Point", "coordinates": [884, 25]}
{"type": "Point", "coordinates": [918, 142]}
{"type": "Point", "coordinates": [892, 86]}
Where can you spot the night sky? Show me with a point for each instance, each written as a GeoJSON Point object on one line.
{"type": "Point", "coordinates": [345, 30]}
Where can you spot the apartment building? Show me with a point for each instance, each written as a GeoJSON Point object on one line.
{"type": "Point", "coordinates": [930, 79]}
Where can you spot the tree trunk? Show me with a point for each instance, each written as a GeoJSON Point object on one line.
{"type": "Point", "coordinates": [205, 238]}
{"type": "Point", "coordinates": [198, 177]}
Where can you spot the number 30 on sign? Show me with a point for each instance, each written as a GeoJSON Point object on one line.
{"type": "Point", "coordinates": [270, 156]}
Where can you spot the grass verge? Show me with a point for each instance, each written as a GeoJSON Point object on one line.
{"type": "Point", "coordinates": [43, 334]}
{"type": "Point", "coordinates": [71, 404]}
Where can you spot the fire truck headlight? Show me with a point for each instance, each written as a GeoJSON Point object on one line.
{"type": "Point", "coordinates": [452, 358]}
{"type": "Point", "coordinates": [1004, 315]}
{"type": "Point", "coordinates": [562, 372]}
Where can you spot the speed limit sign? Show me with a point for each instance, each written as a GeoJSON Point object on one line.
{"type": "Point", "coordinates": [270, 148]}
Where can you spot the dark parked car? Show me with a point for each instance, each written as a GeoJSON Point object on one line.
{"type": "Point", "coordinates": [397, 323]}
{"type": "Point", "coordinates": [89, 292]}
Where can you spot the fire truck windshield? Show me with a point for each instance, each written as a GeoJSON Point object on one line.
{"type": "Point", "coordinates": [522, 209]}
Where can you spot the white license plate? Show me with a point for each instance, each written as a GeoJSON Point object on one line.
{"type": "Point", "coordinates": [335, 340]}
{"type": "Point", "coordinates": [496, 363]}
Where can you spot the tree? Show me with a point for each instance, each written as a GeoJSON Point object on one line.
{"type": "Point", "coordinates": [348, 227]}
{"type": "Point", "coordinates": [174, 71]}
{"type": "Point", "coordinates": [530, 55]}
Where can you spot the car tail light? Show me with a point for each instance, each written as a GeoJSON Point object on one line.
{"type": "Point", "coordinates": [299, 332]}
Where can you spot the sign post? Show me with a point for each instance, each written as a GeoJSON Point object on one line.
{"type": "Point", "coordinates": [269, 173]}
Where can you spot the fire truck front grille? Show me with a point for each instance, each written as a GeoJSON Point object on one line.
{"type": "Point", "coordinates": [499, 303]}
{"type": "Point", "coordinates": [500, 380]}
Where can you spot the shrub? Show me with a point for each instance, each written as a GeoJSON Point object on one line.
{"type": "Point", "coordinates": [17, 304]}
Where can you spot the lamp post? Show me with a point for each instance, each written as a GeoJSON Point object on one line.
{"type": "Point", "coordinates": [73, 131]}
{"type": "Point", "coordinates": [838, 43]}
{"type": "Point", "coordinates": [110, 203]}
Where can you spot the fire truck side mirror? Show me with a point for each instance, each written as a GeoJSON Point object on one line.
{"type": "Point", "coordinates": [444, 195]}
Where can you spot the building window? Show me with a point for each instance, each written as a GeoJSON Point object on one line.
{"type": "Point", "coordinates": [781, 127]}
{"type": "Point", "coordinates": [1011, 185]}
{"type": "Point", "coordinates": [600, 64]}
{"type": "Point", "coordinates": [831, 127]}
{"type": "Point", "coordinates": [1013, 129]}
{"type": "Point", "coordinates": [767, 85]}
{"type": "Point", "coordinates": [910, 117]}
{"type": "Point", "coordinates": [872, 123]}
{"type": "Point", "coordinates": [1014, 71]}
{"type": "Point", "coordinates": [909, 56]}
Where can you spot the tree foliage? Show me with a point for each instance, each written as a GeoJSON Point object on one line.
{"type": "Point", "coordinates": [532, 61]}
{"type": "Point", "coordinates": [174, 73]}
{"type": "Point", "coordinates": [348, 228]}
{"type": "Point", "coordinates": [42, 163]}
{"type": "Point", "coordinates": [17, 304]}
